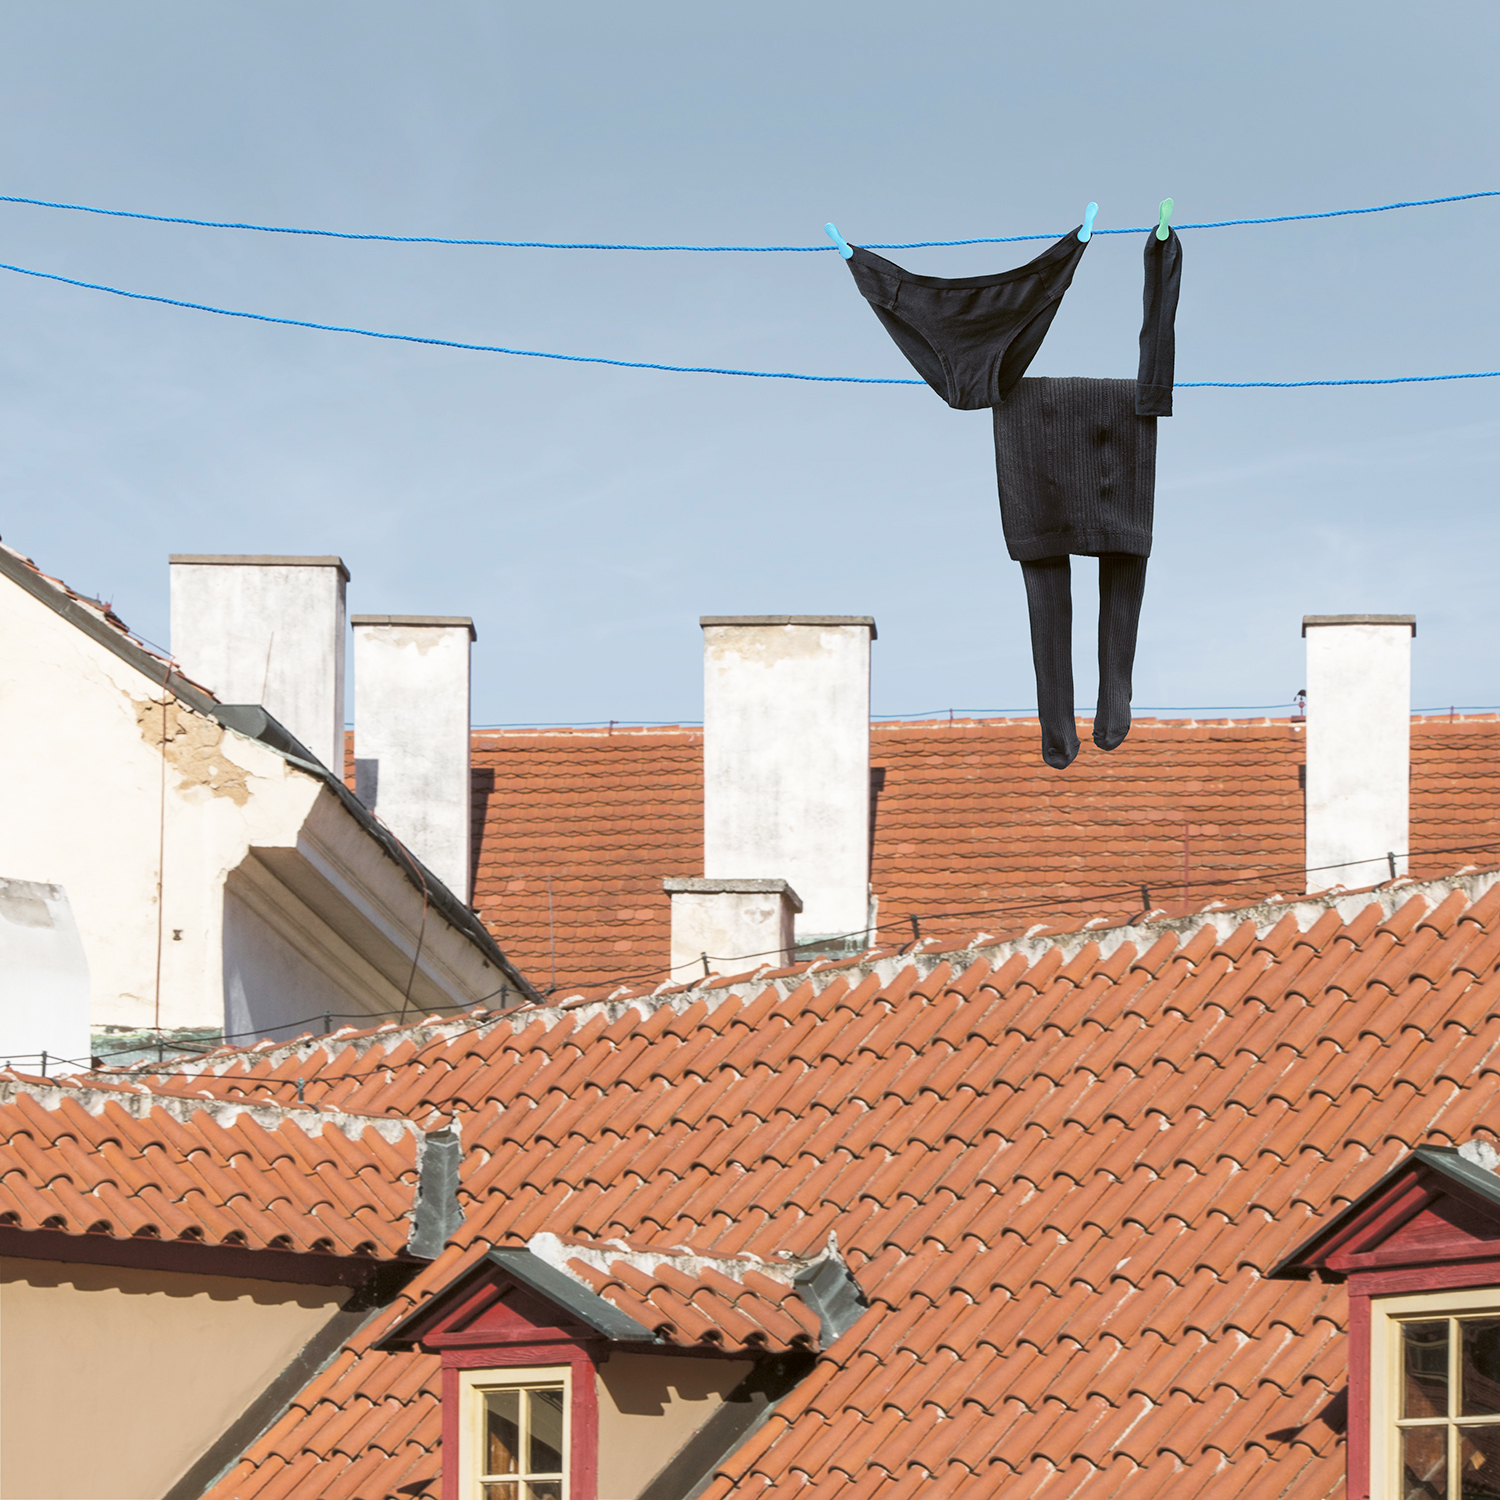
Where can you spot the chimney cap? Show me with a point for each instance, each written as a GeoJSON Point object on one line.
{"type": "Point", "coordinates": [455, 620]}
{"type": "Point", "coordinates": [675, 885]}
{"type": "Point", "coordinates": [256, 560]}
{"type": "Point", "coordinates": [1359, 620]}
{"type": "Point", "coordinates": [790, 620]}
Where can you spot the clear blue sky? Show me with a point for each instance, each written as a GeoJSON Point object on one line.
{"type": "Point", "coordinates": [586, 517]}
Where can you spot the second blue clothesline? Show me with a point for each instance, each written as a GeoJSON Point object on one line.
{"type": "Point", "coordinates": [640, 364]}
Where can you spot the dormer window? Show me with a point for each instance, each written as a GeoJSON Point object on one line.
{"type": "Point", "coordinates": [1436, 1396]}
{"type": "Point", "coordinates": [516, 1435]}
{"type": "Point", "coordinates": [552, 1390]}
{"type": "Point", "coordinates": [1420, 1253]}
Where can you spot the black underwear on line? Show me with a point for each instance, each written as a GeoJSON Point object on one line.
{"type": "Point", "coordinates": [970, 338]}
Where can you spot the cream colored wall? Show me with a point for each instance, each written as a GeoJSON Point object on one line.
{"type": "Point", "coordinates": [114, 1381]}
{"type": "Point", "coordinates": [649, 1406]}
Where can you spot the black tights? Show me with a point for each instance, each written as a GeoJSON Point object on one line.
{"type": "Point", "coordinates": [1049, 597]}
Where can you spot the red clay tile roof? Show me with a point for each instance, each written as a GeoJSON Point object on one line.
{"type": "Point", "coordinates": [89, 1160]}
{"type": "Point", "coordinates": [1059, 1168]}
{"type": "Point", "coordinates": [732, 1303]}
{"type": "Point", "coordinates": [575, 829]}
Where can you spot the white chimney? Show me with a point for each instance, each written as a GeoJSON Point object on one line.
{"type": "Point", "coordinates": [411, 734]}
{"type": "Point", "coordinates": [1358, 747]}
{"type": "Point", "coordinates": [786, 761]}
{"type": "Point", "coordinates": [267, 630]}
{"type": "Point", "coordinates": [729, 926]}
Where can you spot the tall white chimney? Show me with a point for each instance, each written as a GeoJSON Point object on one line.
{"type": "Point", "coordinates": [411, 734]}
{"type": "Point", "coordinates": [1358, 747]}
{"type": "Point", "coordinates": [267, 630]}
{"type": "Point", "coordinates": [786, 760]}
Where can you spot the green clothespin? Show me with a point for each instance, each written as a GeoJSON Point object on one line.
{"type": "Point", "coordinates": [1164, 220]}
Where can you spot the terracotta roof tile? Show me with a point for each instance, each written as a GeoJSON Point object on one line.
{"type": "Point", "coordinates": [966, 819]}
{"type": "Point", "coordinates": [1060, 1194]}
{"type": "Point", "coordinates": [98, 1159]}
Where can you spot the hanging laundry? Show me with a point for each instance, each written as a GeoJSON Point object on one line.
{"type": "Point", "coordinates": [971, 337]}
{"type": "Point", "coordinates": [1075, 464]}
{"type": "Point", "coordinates": [1077, 477]}
{"type": "Point", "coordinates": [1158, 324]}
{"type": "Point", "coordinates": [1075, 459]}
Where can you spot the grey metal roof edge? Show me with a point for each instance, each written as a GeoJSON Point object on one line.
{"type": "Point", "coordinates": [356, 620]}
{"type": "Point", "coordinates": [255, 560]}
{"type": "Point", "coordinates": [790, 620]}
{"type": "Point", "coordinates": [675, 885]}
{"type": "Point", "coordinates": [1449, 1161]}
{"type": "Point", "coordinates": [259, 723]}
{"type": "Point", "coordinates": [159, 673]}
{"type": "Point", "coordinates": [1359, 620]}
{"type": "Point", "coordinates": [560, 1289]}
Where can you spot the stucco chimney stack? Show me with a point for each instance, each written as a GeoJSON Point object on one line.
{"type": "Point", "coordinates": [786, 761]}
{"type": "Point", "coordinates": [267, 630]}
{"type": "Point", "coordinates": [1358, 747]}
{"type": "Point", "coordinates": [411, 734]}
{"type": "Point", "coordinates": [728, 926]}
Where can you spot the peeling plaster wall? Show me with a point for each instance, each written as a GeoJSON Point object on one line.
{"type": "Point", "coordinates": [114, 1381]}
{"type": "Point", "coordinates": [88, 803]}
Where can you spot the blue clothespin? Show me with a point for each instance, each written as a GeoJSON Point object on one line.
{"type": "Point", "coordinates": [1164, 220]}
{"type": "Point", "coordinates": [1086, 233]}
{"type": "Point", "coordinates": [839, 240]}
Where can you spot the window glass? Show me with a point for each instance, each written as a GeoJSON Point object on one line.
{"type": "Point", "coordinates": [524, 1440]}
{"type": "Point", "coordinates": [503, 1432]}
{"type": "Point", "coordinates": [1479, 1463]}
{"type": "Point", "coordinates": [547, 1431]}
{"type": "Point", "coordinates": [1424, 1463]}
{"type": "Point", "coordinates": [1424, 1389]}
{"type": "Point", "coordinates": [1479, 1373]}
{"type": "Point", "coordinates": [1449, 1427]}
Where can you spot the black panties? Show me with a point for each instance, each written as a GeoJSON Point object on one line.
{"type": "Point", "coordinates": [1049, 597]}
{"type": "Point", "coordinates": [972, 338]}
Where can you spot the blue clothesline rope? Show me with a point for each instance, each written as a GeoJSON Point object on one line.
{"type": "Point", "coordinates": [434, 239]}
{"type": "Point", "coordinates": [641, 364]}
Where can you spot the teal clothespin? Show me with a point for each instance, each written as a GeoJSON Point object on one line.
{"type": "Point", "coordinates": [1086, 233]}
{"type": "Point", "coordinates": [838, 240]}
{"type": "Point", "coordinates": [1164, 220]}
